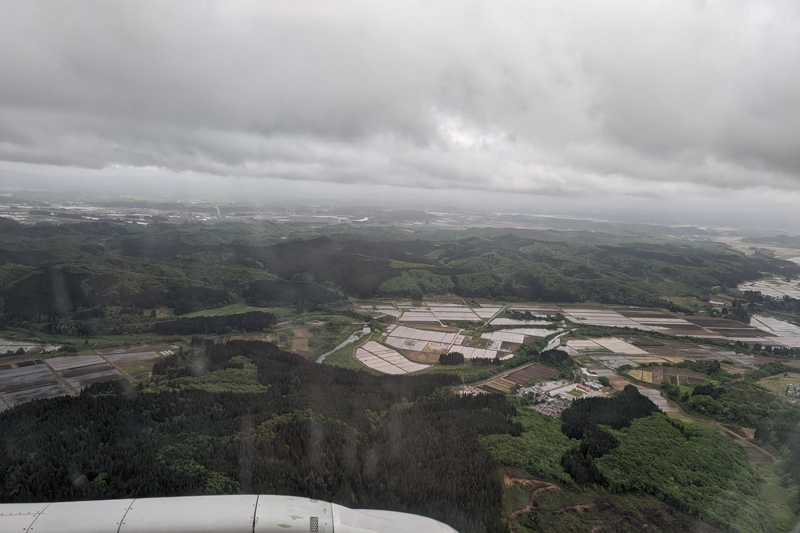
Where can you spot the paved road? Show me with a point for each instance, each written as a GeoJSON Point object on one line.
{"type": "Point", "coordinates": [555, 342]}
{"type": "Point", "coordinates": [486, 323]}
{"type": "Point", "coordinates": [353, 338]}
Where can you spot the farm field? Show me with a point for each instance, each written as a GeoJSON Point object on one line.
{"type": "Point", "coordinates": [425, 314]}
{"type": "Point", "coordinates": [8, 347]}
{"type": "Point", "coordinates": [785, 333]}
{"type": "Point", "coordinates": [519, 335]}
{"type": "Point", "coordinates": [773, 383]}
{"type": "Point", "coordinates": [658, 374]}
{"type": "Point", "coordinates": [80, 371]}
{"type": "Point", "coordinates": [378, 357]}
{"type": "Point", "coordinates": [300, 340]}
{"type": "Point", "coordinates": [418, 340]}
{"type": "Point", "coordinates": [31, 382]}
{"type": "Point", "coordinates": [137, 365]}
{"type": "Point", "coordinates": [533, 372]}
{"type": "Point", "coordinates": [775, 287]}
{"type": "Point", "coordinates": [32, 379]}
{"type": "Point", "coordinates": [256, 336]}
{"type": "Point", "coordinates": [656, 398]}
{"type": "Point", "coordinates": [515, 322]}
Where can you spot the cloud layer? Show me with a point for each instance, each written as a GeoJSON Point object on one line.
{"type": "Point", "coordinates": [579, 98]}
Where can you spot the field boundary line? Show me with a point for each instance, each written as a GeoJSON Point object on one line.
{"type": "Point", "coordinates": [61, 378]}
{"type": "Point", "coordinates": [130, 378]}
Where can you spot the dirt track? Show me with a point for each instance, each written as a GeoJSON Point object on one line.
{"type": "Point", "coordinates": [509, 480]}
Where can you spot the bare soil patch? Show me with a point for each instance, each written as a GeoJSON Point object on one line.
{"type": "Point", "coordinates": [300, 344]}
{"type": "Point", "coordinates": [224, 339]}
{"type": "Point", "coordinates": [531, 373]}
{"type": "Point", "coordinates": [731, 369]}
{"type": "Point", "coordinates": [449, 300]}
{"type": "Point", "coordinates": [757, 455]}
{"type": "Point", "coordinates": [301, 333]}
{"type": "Point", "coordinates": [508, 480]}
{"type": "Point", "coordinates": [422, 357]}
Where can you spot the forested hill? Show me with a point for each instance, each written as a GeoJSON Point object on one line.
{"type": "Point", "coordinates": [313, 430]}
{"type": "Point", "coordinates": [95, 269]}
{"type": "Point", "coordinates": [246, 417]}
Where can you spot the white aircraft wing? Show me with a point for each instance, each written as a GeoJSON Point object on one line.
{"type": "Point", "coordinates": [208, 514]}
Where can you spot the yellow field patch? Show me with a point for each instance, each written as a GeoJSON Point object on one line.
{"type": "Point", "coordinates": [641, 375]}
{"type": "Point", "coordinates": [501, 384]}
{"type": "Point", "coordinates": [781, 380]}
{"type": "Point", "coordinates": [300, 344]}
{"type": "Point", "coordinates": [301, 333]}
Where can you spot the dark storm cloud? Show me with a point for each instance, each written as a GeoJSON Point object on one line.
{"type": "Point", "coordinates": [578, 98]}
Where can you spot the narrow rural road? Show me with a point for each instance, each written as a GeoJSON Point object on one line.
{"type": "Point", "coordinates": [555, 342]}
{"type": "Point", "coordinates": [486, 323]}
{"type": "Point", "coordinates": [353, 338]}
{"type": "Point", "coordinates": [509, 480]}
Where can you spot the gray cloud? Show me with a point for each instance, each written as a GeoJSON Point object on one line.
{"type": "Point", "coordinates": [578, 98]}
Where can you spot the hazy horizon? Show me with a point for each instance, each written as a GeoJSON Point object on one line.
{"type": "Point", "coordinates": [680, 112]}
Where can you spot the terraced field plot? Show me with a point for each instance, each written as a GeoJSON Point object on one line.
{"type": "Point", "coordinates": [538, 310]}
{"type": "Point", "coordinates": [785, 333]}
{"type": "Point", "coordinates": [498, 386]}
{"type": "Point", "coordinates": [654, 319]}
{"type": "Point", "coordinates": [454, 313]}
{"type": "Point", "coordinates": [657, 375]}
{"type": "Point", "coordinates": [82, 371]}
{"type": "Point", "coordinates": [531, 373]}
{"type": "Point", "coordinates": [656, 398]}
{"type": "Point", "coordinates": [370, 304]}
{"type": "Point", "coordinates": [486, 312]}
{"type": "Point", "coordinates": [7, 347]}
{"type": "Point", "coordinates": [619, 346]}
{"type": "Point", "coordinates": [383, 359]}
{"type": "Point", "coordinates": [614, 361]}
{"type": "Point", "coordinates": [584, 345]}
{"type": "Point", "coordinates": [476, 353]}
{"type": "Point", "coordinates": [515, 322]}
{"type": "Point", "coordinates": [419, 317]}
{"type": "Point", "coordinates": [518, 336]}
{"type": "Point", "coordinates": [775, 287]}
{"type": "Point", "coordinates": [138, 365]}
{"type": "Point", "coordinates": [600, 317]}
{"type": "Point", "coordinates": [728, 328]}
{"type": "Point", "coordinates": [417, 340]}
{"type": "Point", "coordinates": [457, 300]}
{"type": "Point", "coordinates": [18, 385]}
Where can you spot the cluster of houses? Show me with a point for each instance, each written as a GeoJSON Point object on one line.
{"type": "Point", "coordinates": [552, 397]}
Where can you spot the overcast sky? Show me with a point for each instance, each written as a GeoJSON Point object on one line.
{"type": "Point", "coordinates": [669, 100]}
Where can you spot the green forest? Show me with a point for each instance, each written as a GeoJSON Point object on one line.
{"type": "Point", "coordinates": [100, 278]}
{"type": "Point", "coordinates": [247, 417]}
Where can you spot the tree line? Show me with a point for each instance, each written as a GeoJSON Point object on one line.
{"type": "Point", "coordinates": [392, 442]}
